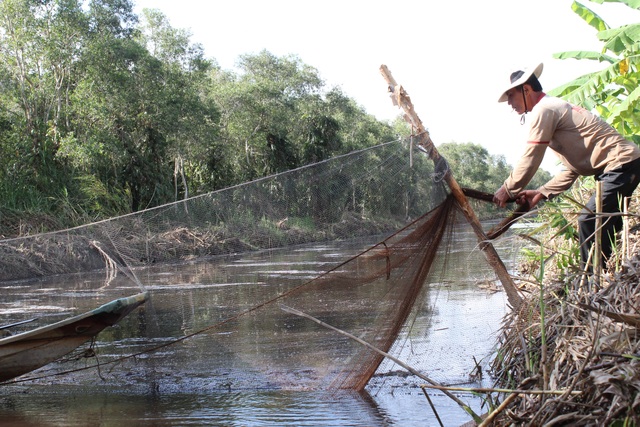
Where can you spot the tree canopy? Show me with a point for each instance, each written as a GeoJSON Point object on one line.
{"type": "Point", "coordinates": [109, 112]}
{"type": "Point", "coordinates": [105, 112]}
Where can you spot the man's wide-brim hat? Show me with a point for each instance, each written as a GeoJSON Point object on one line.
{"type": "Point", "coordinates": [520, 77]}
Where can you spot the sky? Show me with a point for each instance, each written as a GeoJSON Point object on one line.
{"type": "Point", "coordinates": [453, 58]}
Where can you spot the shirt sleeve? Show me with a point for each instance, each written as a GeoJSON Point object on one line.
{"type": "Point", "coordinates": [526, 167]}
{"type": "Point", "coordinates": [559, 183]}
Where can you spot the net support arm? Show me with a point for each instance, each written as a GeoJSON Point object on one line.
{"type": "Point", "coordinates": [401, 99]}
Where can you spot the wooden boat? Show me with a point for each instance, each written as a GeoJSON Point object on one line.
{"type": "Point", "coordinates": [27, 351]}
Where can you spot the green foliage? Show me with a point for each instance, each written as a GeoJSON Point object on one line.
{"type": "Point", "coordinates": [613, 93]}
{"type": "Point", "coordinates": [470, 164]}
{"type": "Point", "coordinates": [304, 223]}
{"type": "Point", "coordinates": [589, 16]}
{"type": "Point", "coordinates": [276, 115]}
{"type": "Point", "coordinates": [555, 220]}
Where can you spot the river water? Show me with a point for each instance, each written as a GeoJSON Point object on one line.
{"type": "Point", "coordinates": [190, 383]}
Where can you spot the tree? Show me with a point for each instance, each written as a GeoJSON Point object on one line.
{"type": "Point", "coordinates": [40, 44]}
{"type": "Point", "coordinates": [469, 163]}
{"type": "Point", "coordinates": [473, 167]}
{"type": "Point", "coordinates": [135, 111]}
{"type": "Point", "coordinates": [190, 117]}
{"type": "Point", "coordinates": [118, 114]}
{"type": "Point", "coordinates": [261, 109]}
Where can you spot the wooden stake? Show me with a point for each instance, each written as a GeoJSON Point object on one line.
{"type": "Point", "coordinates": [597, 253]}
{"type": "Point", "coordinates": [625, 229]}
{"type": "Point", "coordinates": [401, 99]}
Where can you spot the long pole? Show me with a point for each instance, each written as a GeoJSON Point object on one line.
{"type": "Point", "coordinates": [401, 99]}
{"type": "Point", "coordinates": [597, 253]}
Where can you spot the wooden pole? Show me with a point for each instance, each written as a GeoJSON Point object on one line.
{"type": "Point", "coordinates": [401, 99]}
{"type": "Point", "coordinates": [597, 254]}
{"type": "Point", "coordinates": [626, 253]}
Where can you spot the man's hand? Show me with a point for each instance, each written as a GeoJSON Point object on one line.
{"type": "Point", "coordinates": [530, 196]}
{"type": "Point", "coordinates": [501, 197]}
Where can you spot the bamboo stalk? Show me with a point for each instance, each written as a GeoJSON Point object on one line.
{"type": "Point", "coordinates": [433, 408]}
{"type": "Point", "coordinates": [401, 99]}
{"type": "Point", "coordinates": [625, 229]}
{"type": "Point", "coordinates": [499, 390]}
{"type": "Point", "coordinates": [492, 416]}
{"type": "Point", "coordinates": [597, 254]}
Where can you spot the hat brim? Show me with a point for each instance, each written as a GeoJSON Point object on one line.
{"type": "Point", "coordinates": [537, 71]}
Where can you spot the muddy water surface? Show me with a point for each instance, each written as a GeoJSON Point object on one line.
{"type": "Point", "coordinates": [196, 383]}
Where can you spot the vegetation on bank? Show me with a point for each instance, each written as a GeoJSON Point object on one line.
{"type": "Point", "coordinates": [105, 112]}
{"type": "Point", "coordinates": [579, 338]}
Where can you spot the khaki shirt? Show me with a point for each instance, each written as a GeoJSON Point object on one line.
{"type": "Point", "coordinates": [585, 144]}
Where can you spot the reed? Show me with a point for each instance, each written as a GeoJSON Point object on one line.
{"type": "Point", "coordinates": [581, 340]}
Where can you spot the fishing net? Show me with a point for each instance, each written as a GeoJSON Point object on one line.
{"type": "Point", "coordinates": [365, 243]}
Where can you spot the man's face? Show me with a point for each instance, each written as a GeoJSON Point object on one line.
{"type": "Point", "coordinates": [515, 99]}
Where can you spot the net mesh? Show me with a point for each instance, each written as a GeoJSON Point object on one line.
{"type": "Point", "coordinates": [222, 268]}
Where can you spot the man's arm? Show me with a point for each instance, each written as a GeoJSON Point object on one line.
{"type": "Point", "coordinates": [526, 167]}
{"type": "Point", "coordinates": [524, 170]}
{"type": "Point", "coordinates": [562, 181]}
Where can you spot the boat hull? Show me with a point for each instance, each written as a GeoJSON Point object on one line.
{"type": "Point", "coordinates": [25, 352]}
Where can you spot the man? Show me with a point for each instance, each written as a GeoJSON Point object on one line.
{"type": "Point", "coordinates": [585, 144]}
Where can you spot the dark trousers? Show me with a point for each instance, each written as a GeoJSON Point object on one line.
{"type": "Point", "coordinates": [616, 185]}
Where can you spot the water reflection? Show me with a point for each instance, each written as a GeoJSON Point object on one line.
{"type": "Point", "coordinates": [196, 382]}
{"type": "Point", "coordinates": [261, 408]}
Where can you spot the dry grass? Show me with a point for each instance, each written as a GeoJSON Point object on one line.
{"type": "Point", "coordinates": [575, 335]}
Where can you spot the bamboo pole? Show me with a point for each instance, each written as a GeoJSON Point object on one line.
{"type": "Point", "coordinates": [597, 254]}
{"type": "Point", "coordinates": [625, 230]}
{"type": "Point", "coordinates": [401, 99]}
{"type": "Point", "coordinates": [485, 390]}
